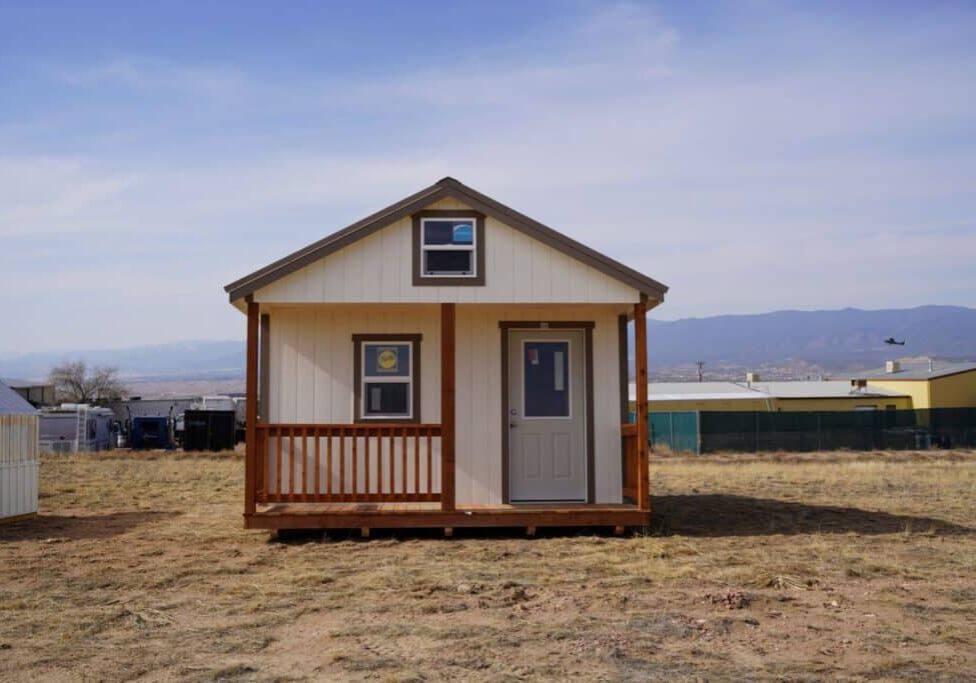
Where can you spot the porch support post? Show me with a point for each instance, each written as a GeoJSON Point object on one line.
{"type": "Point", "coordinates": [251, 406]}
{"type": "Point", "coordinates": [447, 406]}
{"type": "Point", "coordinates": [640, 361]}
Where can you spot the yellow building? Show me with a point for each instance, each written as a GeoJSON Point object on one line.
{"type": "Point", "coordinates": [931, 384]}
{"type": "Point", "coordinates": [761, 396]}
{"type": "Point", "coordinates": [897, 386]}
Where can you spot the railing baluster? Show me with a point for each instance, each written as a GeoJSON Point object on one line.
{"type": "Point", "coordinates": [390, 436]}
{"type": "Point", "coordinates": [403, 459]}
{"type": "Point", "coordinates": [328, 463]}
{"type": "Point", "coordinates": [416, 460]}
{"type": "Point", "coordinates": [291, 463]}
{"type": "Point", "coordinates": [304, 464]}
{"type": "Point", "coordinates": [430, 461]}
{"type": "Point", "coordinates": [259, 466]}
{"type": "Point", "coordinates": [366, 459]}
{"type": "Point", "coordinates": [342, 463]}
{"type": "Point", "coordinates": [379, 461]}
{"type": "Point", "coordinates": [355, 463]}
{"type": "Point", "coordinates": [318, 449]}
{"type": "Point", "coordinates": [278, 465]}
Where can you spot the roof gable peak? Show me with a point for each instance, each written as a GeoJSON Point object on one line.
{"type": "Point", "coordinates": [446, 187]}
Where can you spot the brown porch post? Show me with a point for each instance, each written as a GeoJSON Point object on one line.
{"type": "Point", "coordinates": [640, 361]}
{"type": "Point", "coordinates": [447, 406]}
{"type": "Point", "coordinates": [251, 405]}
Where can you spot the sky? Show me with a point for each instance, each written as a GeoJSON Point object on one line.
{"type": "Point", "coordinates": [753, 156]}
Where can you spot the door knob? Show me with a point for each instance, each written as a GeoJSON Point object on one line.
{"type": "Point", "coordinates": [512, 425]}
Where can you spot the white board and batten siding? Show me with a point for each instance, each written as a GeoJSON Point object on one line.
{"type": "Point", "coordinates": [18, 466]}
{"type": "Point", "coordinates": [311, 379]}
{"type": "Point", "coordinates": [379, 269]}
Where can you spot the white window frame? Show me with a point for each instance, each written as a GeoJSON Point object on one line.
{"type": "Point", "coordinates": [385, 379]}
{"type": "Point", "coordinates": [473, 247]}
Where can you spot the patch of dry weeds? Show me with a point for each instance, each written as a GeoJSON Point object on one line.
{"type": "Point", "coordinates": [860, 567]}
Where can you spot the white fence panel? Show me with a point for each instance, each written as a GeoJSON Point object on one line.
{"type": "Point", "coordinates": [18, 489]}
{"type": "Point", "coordinates": [18, 465]}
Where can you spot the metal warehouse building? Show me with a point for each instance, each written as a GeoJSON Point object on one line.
{"type": "Point", "coordinates": [771, 396]}
{"type": "Point", "coordinates": [903, 405]}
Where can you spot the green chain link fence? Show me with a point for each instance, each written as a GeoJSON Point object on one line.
{"type": "Point", "coordinates": [709, 432]}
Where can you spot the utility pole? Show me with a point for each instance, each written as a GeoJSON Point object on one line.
{"type": "Point", "coordinates": [701, 373]}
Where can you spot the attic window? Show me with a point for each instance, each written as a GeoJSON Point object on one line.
{"type": "Point", "coordinates": [449, 248]}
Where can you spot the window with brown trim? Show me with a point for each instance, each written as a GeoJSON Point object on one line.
{"type": "Point", "coordinates": [448, 248]}
{"type": "Point", "coordinates": [387, 377]}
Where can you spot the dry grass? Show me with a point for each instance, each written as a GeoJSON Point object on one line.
{"type": "Point", "coordinates": [778, 567]}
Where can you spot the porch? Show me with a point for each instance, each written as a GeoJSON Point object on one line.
{"type": "Point", "coordinates": [401, 475]}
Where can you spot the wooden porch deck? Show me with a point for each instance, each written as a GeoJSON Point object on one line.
{"type": "Point", "coordinates": [430, 515]}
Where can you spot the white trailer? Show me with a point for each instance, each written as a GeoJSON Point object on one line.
{"type": "Point", "coordinates": [76, 428]}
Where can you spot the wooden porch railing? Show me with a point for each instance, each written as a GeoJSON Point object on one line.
{"type": "Point", "coordinates": [325, 463]}
{"type": "Point", "coordinates": [631, 467]}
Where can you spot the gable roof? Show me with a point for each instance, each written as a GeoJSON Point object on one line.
{"type": "Point", "coordinates": [12, 403]}
{"type": "Point", "coordinates": [442, 189]}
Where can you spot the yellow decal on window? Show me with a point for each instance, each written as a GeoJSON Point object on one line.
{"type": "Point", "coordinates": [386, 360]}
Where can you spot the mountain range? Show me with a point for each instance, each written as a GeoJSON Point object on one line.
{"type": "Point", "coordinates": [839, 340]}
{"type": "Point", "coordinates": [179, 360]}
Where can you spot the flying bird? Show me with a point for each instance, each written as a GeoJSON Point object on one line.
{"type": "Point", "coordinates": [890, 341]}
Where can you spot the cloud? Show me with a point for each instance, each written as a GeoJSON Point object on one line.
{"type": "Point", "coordinates": [55, 195]}
{"type": "Point", "coordinates": [781, 162]}
{"type": "Point", "coordinates": [153, 74]}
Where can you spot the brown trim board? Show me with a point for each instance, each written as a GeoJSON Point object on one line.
{"type": "Point", "coordinates": [264, 369]}
{"type": "Point", "coordinates": [446, 187]}
{"type": "Point", "coordinates": [479, 250]}
{"type": "Point", "coordinates": [590, 440]}
{"type": "Point", "coordinates": [506, 431]}
{"type": "Point", "coordinates": [623, 374]}
{"type": "Point", "coordinates": [448, 406]}
{"type": "Point", "coordinates": [357, 367]}
{"type": "Point", "coordinates": [251, 409]}
{"type": "Point", "coordinates": [586, 326]}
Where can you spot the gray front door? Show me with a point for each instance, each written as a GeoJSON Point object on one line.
{"type": "Point", "coordinates": [547, 415]}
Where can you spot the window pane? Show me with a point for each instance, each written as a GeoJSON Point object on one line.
{"type": "Point", "coordinates": [386, 360]}
{"type": "Point", "coordinates": [546, 379]}
{"type": "Point", "coordinates": [448, 232]}
{"type": "Point", "coordinates": [388, 398]}
{"type": "Point", "coordinates": [448, 262]}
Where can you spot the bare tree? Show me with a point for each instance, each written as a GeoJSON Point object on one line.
{"type": "Point", "coordinates": [74, 383]}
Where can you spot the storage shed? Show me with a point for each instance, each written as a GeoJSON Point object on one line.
{"type": "Point", "coordinates": [445, 362]}
{"type": "Point", "coordinates": [18, 456]}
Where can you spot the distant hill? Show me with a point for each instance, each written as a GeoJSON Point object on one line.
{"type": "Point", "coordinates": [848, 339]}
{"type": "Point", "coordinates": [179, 360]}
{"type": "Point", "coordinates": [837, 340]}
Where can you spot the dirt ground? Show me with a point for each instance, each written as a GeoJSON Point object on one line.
{"type": "Point", "coordinates": [850, 567]}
